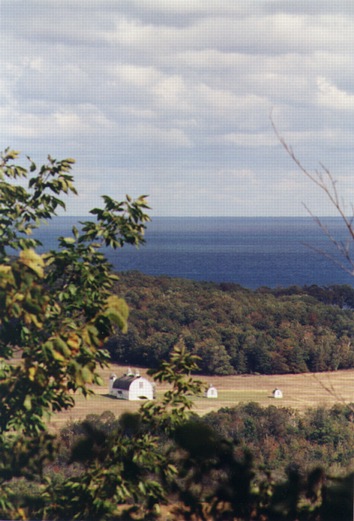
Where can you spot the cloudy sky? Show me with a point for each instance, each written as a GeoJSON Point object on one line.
{"type": "Point", "coordinates": [172, 98]}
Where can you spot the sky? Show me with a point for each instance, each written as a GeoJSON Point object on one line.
{"type": "Point", "coordinates": [173, 98]}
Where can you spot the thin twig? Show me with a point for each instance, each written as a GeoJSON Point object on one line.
{"type": "Point", "coordinates": [324, 180]}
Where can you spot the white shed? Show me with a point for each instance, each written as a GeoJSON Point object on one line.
{"type": "Point", "coordinates": [211, 392]}
{"type": "Point", "coordinates": [131, 386]}
{"type": "Point", "coordinates": [277, 393]}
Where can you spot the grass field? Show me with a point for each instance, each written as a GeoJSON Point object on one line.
{"type": "Point", "coordinates": [299, 391]}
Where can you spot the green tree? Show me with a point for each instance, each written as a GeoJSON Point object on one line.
{"type": "Point", "coordinates": [129, 465]}
{"type": "Point", "coordinates": [56, 309]}
{"type": "Point", "coordinates": [214, 358]}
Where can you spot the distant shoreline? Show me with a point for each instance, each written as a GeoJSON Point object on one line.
{"type": "Point", "coordinates": [250, 251]}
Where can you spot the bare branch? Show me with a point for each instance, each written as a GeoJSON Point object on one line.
{"type": "Point", "coordinates": [324, 179]}
{"type": "Point", "coordinates": [330, 389]}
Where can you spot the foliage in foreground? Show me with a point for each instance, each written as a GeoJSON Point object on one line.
{"type": "Point", "coordinates": [221, 466]}
{"type": "Point", "coordinates": [56, 309]}
{"type": "Point", "coordinates": [56, 312]}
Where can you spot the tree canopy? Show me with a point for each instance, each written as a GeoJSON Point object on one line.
{"type": "Point", "coordinates": [58, 310]}
{"type": "Point", "coordinates": [236, 330]}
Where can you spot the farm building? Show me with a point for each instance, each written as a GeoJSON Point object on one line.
{"type": "Point", "coordinates": [211, 392]}
{"type": "Point", "coordinates": [131, 386]}
{"type": "Point", "coordinates": [277, 393]}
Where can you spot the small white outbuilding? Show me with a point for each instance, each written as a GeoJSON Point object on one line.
{"type": "Point", "coordinates": [131, 386]}
{"type": "Point", "coordinates": [277, 393]}
{"type": "Point", "coordinates": [211, 392]}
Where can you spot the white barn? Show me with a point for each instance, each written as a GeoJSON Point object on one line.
{"type": "Point", "coordinates": [277, 393]}
{"type": "Point", "coordinates": [211, 392]}
{"type": "Point", "coordinates": [131, 386]}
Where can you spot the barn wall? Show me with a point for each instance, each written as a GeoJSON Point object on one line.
{"type": "Point", "coordinates": [140, 387]}
{"type": "Point", "coordinates": [121, 394]}
{"type": "Point", "coordinates": [212, 393]}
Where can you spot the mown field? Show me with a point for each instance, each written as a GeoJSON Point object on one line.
{"type": "Point", "coordinates": [300, 391]}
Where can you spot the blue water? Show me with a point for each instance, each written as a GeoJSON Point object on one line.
{"type": "Point", "coordinates": [252, 252]}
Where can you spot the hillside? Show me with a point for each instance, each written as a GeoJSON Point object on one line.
{"type": "Point", "coordinates": [235, 330]}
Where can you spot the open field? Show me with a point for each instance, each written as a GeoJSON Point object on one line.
{"type": "Point", "coordinates": [300, 391]}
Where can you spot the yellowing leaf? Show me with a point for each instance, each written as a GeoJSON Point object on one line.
{"type": "Point", "coordinates": [30, 318]}
{"type": "Point", "coordinates": [68, 240]}
{"type": "Point", "coordinates": [87, 375]}
{"type": "Point", "coordinates": [99, 380]}
{"type": "Point", "coordinates": [61, 346]}
{"type": "Point", "coordinates": [21, 514]}
{"type": "Point", "coordinates": [32, 373]}
{"type": "Point", "coordinates": [27, 402]}
{"type": "Point", "coordinates": [58, 356]}
{"type": "Point", "coordinates": [74, 342]}
{"type": "Point", "coordinates": [117, 311]}
{"type": "Point", "coordinates": [34, 261]}
{"type": "Point", "coordinates": [119, 304]}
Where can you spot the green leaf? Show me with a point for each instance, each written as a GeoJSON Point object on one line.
{"type": "Point", "coordinates": [27, 402]}
{"type": "Point", "coordinates": [61, 347]}
{"type": "Point", "coordinates": [67, 240]}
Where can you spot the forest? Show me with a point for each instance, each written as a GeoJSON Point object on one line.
{"type": "Point", "coordinates": [236, 330]}
{"type": "Point", "coordinates": [61, 308]}
{"type": "Point", "coordinates": [266, 463]}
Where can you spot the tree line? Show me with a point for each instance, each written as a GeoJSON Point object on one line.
{"type": "Point", "coordinates": [236, 330]}
{"type": "Point", "coordinates": [57, 312]}
{"type": "Point", "coordinates": [241, 463]}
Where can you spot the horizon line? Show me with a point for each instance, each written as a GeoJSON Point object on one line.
{"type": "Point", "coordinates": [221, 216]}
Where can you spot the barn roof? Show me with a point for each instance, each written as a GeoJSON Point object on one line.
{"type": "Point", "coordinates": [124, 382]}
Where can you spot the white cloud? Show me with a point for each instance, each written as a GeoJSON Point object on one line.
{"type": "Point", "coordinates": [181, 91]}
{"type": "Point", "coordinates": [138, 76]}
{"type": "Point", "coordinates": [172, 137]}
{"type": "Point", "coordinates": [251, 140]}
{"type": "Point", "coordinates": [330, 96]}
{"type": "Point", "coordinates": [235, 174]}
